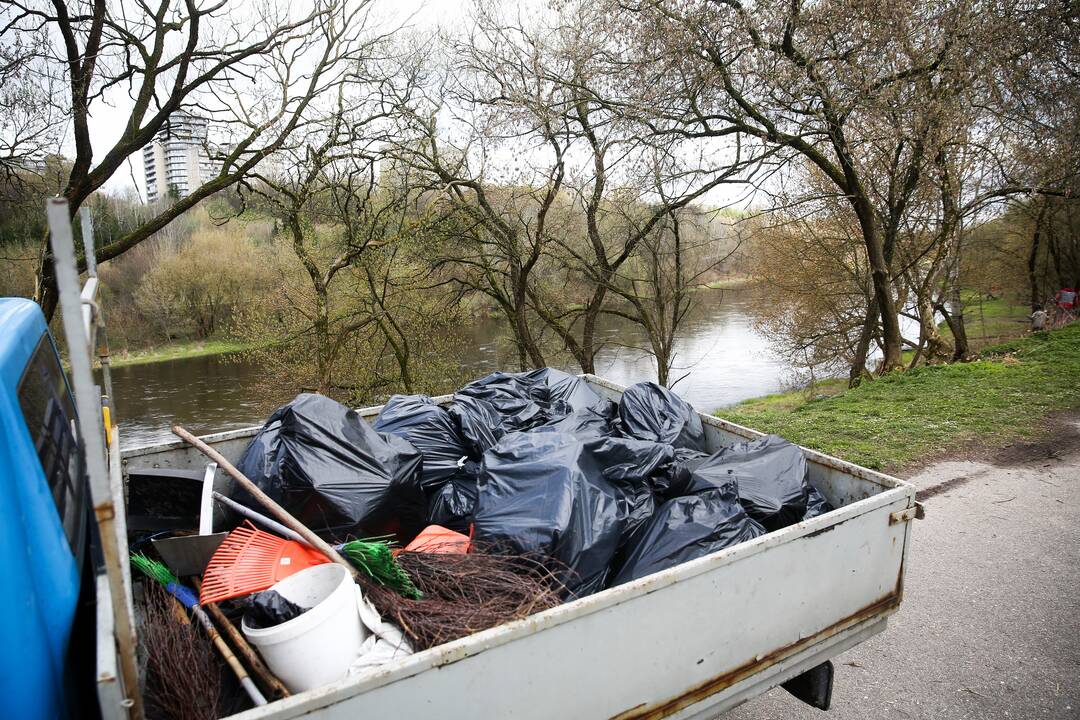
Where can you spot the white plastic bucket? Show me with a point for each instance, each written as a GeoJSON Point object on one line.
{"type": "Point", "coordinates": [318, 646]}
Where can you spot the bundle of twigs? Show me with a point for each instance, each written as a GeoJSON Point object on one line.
{"type": "Point", "coordinates": [464, 594]}
{"type": "Point", "coordinates": [183, 677]}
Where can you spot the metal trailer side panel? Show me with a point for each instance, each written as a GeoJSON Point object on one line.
{"type": "Point", "coordinates": [687, 642]}
{"type": "Point", "coordinates": [699, 636]}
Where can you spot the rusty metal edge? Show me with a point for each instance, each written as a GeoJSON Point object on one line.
{"type": "Point", "coordinates": [726, 680]}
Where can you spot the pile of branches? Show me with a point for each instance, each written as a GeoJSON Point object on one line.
{"type": "Point", "coordinates": [464, 594]}
{"type": "Point", "coordinates": [183, 676]}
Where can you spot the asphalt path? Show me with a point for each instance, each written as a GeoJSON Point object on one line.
{"type": "Point", "coordinates": [990, 622]}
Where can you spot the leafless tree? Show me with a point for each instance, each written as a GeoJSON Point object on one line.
{"type": "Point", "coordinates": [543, 160]}
{"type": "Point", "coordinates": [326, 194]}
{"type": "Point", "coordinates": [254, 70]}
{"type": "Point", "coordinates": [864, 92]}
{"type": "Point", "coordinates": [30, 124]}
{"type": "Point", "coordinates": [658, 285]}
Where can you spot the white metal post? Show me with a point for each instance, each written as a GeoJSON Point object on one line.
{"type": "Point", "coordinates": [87, 402]}
{"type": "Point", "coordinates": [102, 339]}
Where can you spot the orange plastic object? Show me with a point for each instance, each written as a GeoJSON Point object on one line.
{"type": "Point", "coordinates": [250, 560]}
{"type": "Point", "coordinates": [437, 539]}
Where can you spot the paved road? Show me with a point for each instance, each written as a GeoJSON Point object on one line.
{"type": "Point", "coordinates": [990, 625]}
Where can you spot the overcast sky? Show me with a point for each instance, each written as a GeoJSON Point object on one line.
{"type": "Point", "coordinates": [110, 114]}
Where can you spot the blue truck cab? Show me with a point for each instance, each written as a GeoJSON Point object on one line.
{"type": "Point", "coordinates": [46, 536]}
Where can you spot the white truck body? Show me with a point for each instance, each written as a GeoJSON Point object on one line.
{"type": "Point", "coordinates": [688, 642]}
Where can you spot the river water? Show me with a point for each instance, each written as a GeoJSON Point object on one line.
{"type": "Point", "coordinates": [724, 360]}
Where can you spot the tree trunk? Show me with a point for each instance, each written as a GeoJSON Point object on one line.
{"type": "Point", "coordinates": [862, 349]}
{"type": "Point", "coordinates": [933, 345]}
{"type": "Point", "coordinates": [879, 272]}
{"type": "Point", "coordinates": [1033, 256]}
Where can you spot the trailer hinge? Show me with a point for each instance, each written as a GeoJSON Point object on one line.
{"type": "Point", "coordinates": [915, 512]}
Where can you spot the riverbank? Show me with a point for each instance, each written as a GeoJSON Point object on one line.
{"type": "Point", "coordinates": [907, 417]}
{"type": "Point", "coordinates": [179, 351]}
{"type": "Point", "coordinates": [991, 320]}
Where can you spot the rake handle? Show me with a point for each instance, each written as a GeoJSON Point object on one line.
{"type": "Point", "coordinates": [266, 501]}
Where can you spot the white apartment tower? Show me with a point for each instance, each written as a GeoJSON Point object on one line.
{"type": "Point", "coordinates": [177, 157]}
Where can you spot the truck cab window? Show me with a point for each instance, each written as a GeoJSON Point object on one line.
{"type": "Point", "coordinates": [49, 413]}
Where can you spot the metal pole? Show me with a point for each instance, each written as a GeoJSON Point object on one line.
{"type": "Point", "coordinates": [88, 241]}
{"type": "Point", "coordinates": [88, 405]}
{"type": "Point", "coordinates": [103, 339]}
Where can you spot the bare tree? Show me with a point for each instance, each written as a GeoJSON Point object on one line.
{"type": "Point", "coordinates": [258, 73]}
{"type": "Point", "coordinates": [658, 285]}
{"type": "Point", "coordinates": [30, 125]}
{"type": "Point", "coordinates": [549, 163]}
{"type": "Point", "coordinates": [325, 193]}
{"type": "Point", "coordinates": [824, 81]}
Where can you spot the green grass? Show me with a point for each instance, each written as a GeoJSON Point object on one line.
{"type": "Point", "coordinates": [178, 351]}
{"type": "Point", "coordinates": [916, 414]}
{"type": "Point", "coordinates": [988, 321]}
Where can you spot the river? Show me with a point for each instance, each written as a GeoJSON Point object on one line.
{"type": "Point", "coordinates": [724, 360]}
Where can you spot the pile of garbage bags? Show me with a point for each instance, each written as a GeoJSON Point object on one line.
{"type": "Point", "coordinates": [535, 463]}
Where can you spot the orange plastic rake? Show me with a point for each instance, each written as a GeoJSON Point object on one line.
{"type": "Point", "coordinates": [250, 560]}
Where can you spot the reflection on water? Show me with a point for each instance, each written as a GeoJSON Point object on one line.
{"type": "Point", "coordinates": [204, 394]}
{"type": "Point", "coordinates": [722, 358]}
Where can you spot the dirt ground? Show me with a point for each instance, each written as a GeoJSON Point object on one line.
{"type": "Point", "coordinates": [990, 624]}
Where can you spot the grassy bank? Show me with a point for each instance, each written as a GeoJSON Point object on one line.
{"type": "Point", "coordinates": [917, 414]}
{"type": "Point", "coordinates": [179, 351]}
{"type": "Point", "coordinates": [988, 321]}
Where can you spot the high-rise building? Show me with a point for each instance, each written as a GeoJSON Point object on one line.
{"type": "Point", "coordinates": [177, 158]}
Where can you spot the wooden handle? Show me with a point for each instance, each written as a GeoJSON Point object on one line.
{"type": "Point", "coordinates": [258, 667]}
{"type": "Point", "coordinates": [230, 658]}
{"type": "Point", "coordinates": [265, 500]}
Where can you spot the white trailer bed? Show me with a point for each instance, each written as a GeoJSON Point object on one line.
{"type": "Point", "coordinates": [688, 642]}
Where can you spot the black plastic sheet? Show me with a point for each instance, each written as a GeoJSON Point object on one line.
{"type": "Point", "coordinates": [562, 393]}
{"type": "Point", "coordinates": [770, 474]}
{"type": "Point", "coordinates": [269, 608]}
{"type": "Point", "coordinates": [478, 422]}
{"type": "Point", "coordinates": [454, 505]}
{"type": "Point", "coordinates": [335, 473]}
{"type": "Point", "coordinates": [651, 412]}
{"type": "Point", "coordinates": [501, 403]}
{"type": "Point", "coordinates": [677, 480]}
{"type": "Point", "coordinates": [431, 430]}
{"type": "Point", "coordinates": [509, 395]}
{"type": "Point", "coordinates": [587, 422]}
{"type": "Point", "coordinates": [686, 528]}
{"type": "Point", "coordinates": [546, 493]}
{"type": "Point", "coordinates": [816, 504]}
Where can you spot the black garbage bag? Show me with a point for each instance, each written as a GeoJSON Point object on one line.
{"type": "Point", "coordinates": [546, 493]}
{"type": "Point", "coordinates": [509, 394]}
{"type": "Point", "coordinates": [478, 423]}
{"type": "Point", "coordinates": [677, 480]}
{"type": "Point", "coordinates": [686, 528]}
{"type": "Point", "coordinates": [328, 467]}
{"type": "Point", "coordinates": [522, 401]}
{"type": "Point", "coordinates": [431, 430]}
{"type": "Point", "coordinates": [585, 422]}
{"type": "Point", "coordinates": [561, 393]}
{"type": "Point", "coordinates": [269, 608]}
{"type": "Point", "coordinates": [454, 505]}
{"type": "Point", "coordinates": [651, 412]}
{"type": "Point", "coordinates": [771, 477]}
{"type": "Point", "coordinates": [816, 504]}
{"type": "Point", "coordinates": [636, 467]}
{"type": "Point", "coordinates": [630, 462]}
